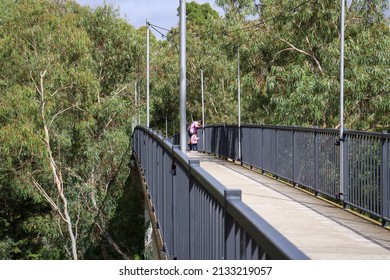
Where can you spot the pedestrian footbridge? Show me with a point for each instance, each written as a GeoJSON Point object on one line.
{"type": "Point", "coordinates": [259, 192]}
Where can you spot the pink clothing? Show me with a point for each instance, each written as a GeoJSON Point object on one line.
{"type": "Point", "coordinates": [194, 126]}
{"type": "Point", "coordinates": [194, 139]}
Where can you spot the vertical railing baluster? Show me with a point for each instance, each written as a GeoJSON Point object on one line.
{"type": "Point", "coordinates": [175, 185]}
{"type": "Point", "coordinates": [276, 152]}
{"type": "Point", "coordinates": [316, 161]}
{"type": "Point", "coordinates": [385, 180]}
{"type": "Point", "coordinates": [230, 226]}
{"type": "Point", "coordinates": [346, 174]}
{"type": "Point", "coordinates": [294, 157]}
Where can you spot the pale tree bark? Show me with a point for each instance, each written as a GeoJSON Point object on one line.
{"type": "Point", "coordinates": [63, 211]}
{"type": "Point", "coordinates": [294, 48]}
{"type": "Point", "coordinates": [113, 243]}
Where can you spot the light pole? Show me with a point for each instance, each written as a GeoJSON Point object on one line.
{"type": "Point", "coordinates": [147, 73]}
{"type": "Point", "coordinates": [183, 84]}
{"type": "Point", "coordinates": [239, 102]}
{"type": "Point", "coordinates": [342, 102]}
{"type": "Point", "coordinates": [201, 81]}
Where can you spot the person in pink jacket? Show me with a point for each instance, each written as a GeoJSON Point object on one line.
{"type": "Point", "coordinates": [194, 127]}
{"type": "Point", "coordinates": [194, 141]}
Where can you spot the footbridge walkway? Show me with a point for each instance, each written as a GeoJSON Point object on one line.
{"type": "Point", "coordinates": [262, 192]}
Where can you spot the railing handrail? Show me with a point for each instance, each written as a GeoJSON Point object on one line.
{"type": "Point", "coordinates": [227, 204]}
{"type": "Point", "coordinates": [366, 157]}
{"type": "Point", "coordinates": [302, 128]}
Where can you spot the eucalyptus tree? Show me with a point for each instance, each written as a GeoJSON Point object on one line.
{"type": "Point", "coordinates": [302, 68]}
{"type": "Point", "coordinates": [238, 9]}
{"type": "Point", "coordinates": [165, 70]}
{"type": "Point", "coordinates": [368, 65]}
{"type": "Point", "coordinates": [290, 54]}
{"type": "Point", "coordinates": [205, 51]}
{"type": "Point", "coordinates": [312, 36]}
{"type": "Point", "coordinates": [65, 116]}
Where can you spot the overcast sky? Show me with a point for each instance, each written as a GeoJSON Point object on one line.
{"type": "Point", "coordinates": [162, 13]}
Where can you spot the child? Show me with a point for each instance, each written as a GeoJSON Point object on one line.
{"type": "Point", "coordinates": [194, 141]}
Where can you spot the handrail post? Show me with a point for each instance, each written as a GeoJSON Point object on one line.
{"type": "Point", "coordinates": [230, 237]}
{"type": "Point", "coordinates": [316, 160]}
{"type": "Point", "coordinates": [385, 187]}
{"type": "Point", "coordinates": [276, 171]}
{"type": "Point", "coordinates": [174, 217]}
{"type": "Point", "coordinates": [193, 163]}
{"type": "Point", "coordinates": [261, 165]}
{"type": "Point", "coordinates": [294, 156]}
{"type": "Point", "coordinates": [344, 170]}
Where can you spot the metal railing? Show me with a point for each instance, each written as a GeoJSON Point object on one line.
{"type": "Point", "coordinates": [197, 217]}
{"type": "Point", "coordinates": [310, 157]}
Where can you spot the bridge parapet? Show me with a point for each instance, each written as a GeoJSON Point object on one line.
{"type": "Point", "coordinates": [197, 217]}
{"type": "Point", "coordinates": [310, 157]}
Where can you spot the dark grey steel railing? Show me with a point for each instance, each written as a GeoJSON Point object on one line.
{"type": "Point", "coordinates": [197, 217]}
{"type": "Point", "coordinates": [310, 157]}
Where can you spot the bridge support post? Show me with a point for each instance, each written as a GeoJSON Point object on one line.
{"type": "Point", "coordinates": [230, 249]}
{"type": "Point", "coordinates": [385, 180]}
{"type": "Point", "coordinates": [173, 210]}
{"type": "Point", "coordinates": [344, 170]}
{"type": "Point", "coordinates": [193, 226]}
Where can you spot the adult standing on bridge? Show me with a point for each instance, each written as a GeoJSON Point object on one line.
{"type": "Point", "coordinates": [193, 128]}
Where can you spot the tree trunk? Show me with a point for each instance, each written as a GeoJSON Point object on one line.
{"type": "Point", "coordinates": [56, 172]}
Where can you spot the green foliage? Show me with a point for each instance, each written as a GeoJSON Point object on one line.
{"type": "Point", "coordinates": [67, 69]}
{"type": "Point", "coordinates": [200, 14]}
{"type": "Point", "coordinates": [72, 70]}
{"type": "Point", "coordinates": [238, 9]}
{"type": "Point", "coordinates": [127, 224]}
{"type": "Point", "coordinates": [291, 55]}
{"type": "Point", "coordinates": [205, 41]}
{"type": "Point", "coordinates": [290, 65]}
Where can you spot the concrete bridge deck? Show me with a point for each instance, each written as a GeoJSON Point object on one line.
{"type": "Point", "coordinates": [320, 229]}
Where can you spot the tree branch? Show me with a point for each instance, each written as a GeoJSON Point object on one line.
{"type": "Point", "coordinates": [279, 52]}
{"type": "Point", "coordinates": [113, 243]}
{"type": "Point", "coordinates": [47, 196]}
{"type": "Point", "coordinates": [118, 91]}
{"type": "Point", "coordinates": [60, 112]}
{"type": "Point", "coordinates": [312, 56]}
{"type": "Point", "coordinates": [305, 53]}
{"type": "Point", "coordinates": [57, 176]}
